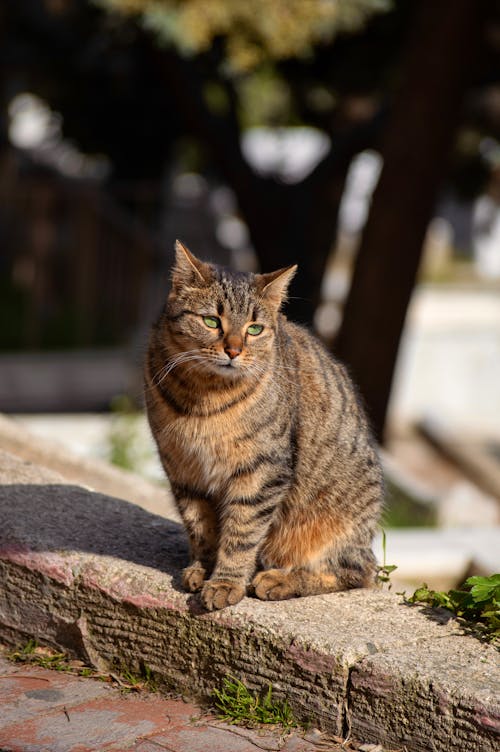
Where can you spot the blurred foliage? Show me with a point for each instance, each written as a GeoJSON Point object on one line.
{"type": "Point", "coordinates": [404, 509]}
{"type": "Point", "coordinates": [266, 98]}
{"type": "Point", "coordinates": [124, 445]}
{"type": "Point", "coordinates": [254, 31]}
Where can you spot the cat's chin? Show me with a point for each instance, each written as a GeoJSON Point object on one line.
{"type": "Point", "coordinates": [228, 370]}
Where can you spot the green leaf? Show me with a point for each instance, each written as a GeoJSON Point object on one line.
{"type": "Point", "coordinates": [478, 603]}
{"type": "Point", "coordinates": [484, 588]}
{"type": "Point", "coordinates": [493, 579]}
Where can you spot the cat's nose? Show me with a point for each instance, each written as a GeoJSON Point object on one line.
{"type": "Point", "coordinates": [233, 345]}
{"type": "Point", "coordinates": [232, 351]}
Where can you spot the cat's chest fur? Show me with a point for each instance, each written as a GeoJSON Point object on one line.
{"type": "Point", "coordinates": [201, 451]}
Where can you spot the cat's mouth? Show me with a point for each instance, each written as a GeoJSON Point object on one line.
{"type": "Point", "coordinates": [229, 367]}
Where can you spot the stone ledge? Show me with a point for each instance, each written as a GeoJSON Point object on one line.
{"type": "Point", "coordinates": [94, 474]}
{"type": "Point", "coordinates": [99, 576]}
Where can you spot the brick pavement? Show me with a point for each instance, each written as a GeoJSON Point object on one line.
{"type": "Point", "coordinates": [43, 710]}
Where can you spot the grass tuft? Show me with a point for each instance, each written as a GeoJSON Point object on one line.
{"type": "Point", "coordinates": [37, 655]}
{"type": "Point", "coordinates": [130, 682]}
{"type": "Point", "coordinates": [238, 705]}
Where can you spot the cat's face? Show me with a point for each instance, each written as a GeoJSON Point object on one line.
{"type": "Point", "coordinates": [223, 322]}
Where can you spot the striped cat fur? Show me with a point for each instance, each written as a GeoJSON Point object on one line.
{"type": "Point", "coordinates": [265, 444]}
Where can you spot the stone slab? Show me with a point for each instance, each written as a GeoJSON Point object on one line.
{"type": "Point", "coordinates": [91, 473]}
{"type": "Point", "coordinates": [94, 725]}
{"type": "Point", "coordinates": [450, 682]}
{"type": "Point", "coordinates": [99, 577]}
{"type": "Point", "coordinates": [26, 692]}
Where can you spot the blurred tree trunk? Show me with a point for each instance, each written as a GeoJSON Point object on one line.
{"type": "Point", "coordinates": [415, 150]}
{"type": "Point", "coordinates": [298, 223]}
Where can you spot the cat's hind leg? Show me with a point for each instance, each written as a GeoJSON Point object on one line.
{"type": "Point", "coordinates": [353, 567]}
{"type": "Point", "coordinates": [312, 552]}
{"type": "Point", "coordinates": [280, 584]}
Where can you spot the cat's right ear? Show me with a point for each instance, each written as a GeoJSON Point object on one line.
{"type": "Point", "coordinates": [274, 285]}
{"type": "Point", "coordinates": [187, 269]}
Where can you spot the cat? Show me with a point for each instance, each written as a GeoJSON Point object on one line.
{"type": "Point", "coordinates": [263, 439]}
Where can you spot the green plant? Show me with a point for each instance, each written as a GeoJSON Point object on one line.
{"type": "Point", "coordinates": [237, 704]}
{"type": "Point", "coordinates": [403, 508]}
{"type": "Point", "coordinates": [130, 682]}
{"type": "Point", "coordinates": [41, 656]}
{"type": "Point", "coordinates": [37, 655]}
{"type": "Point", "coordinates": [123, 434]}
{"type": "Point", "coordinates": [23, 654]}
{"type": "Point", "coordinates": [477, 604]}
{"type": "Point", "coordinates": [384, 572]}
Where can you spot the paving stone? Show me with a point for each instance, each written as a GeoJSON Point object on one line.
{"type": "Point", "coordinates": [28, 692]}
{"type": "Point", "coordinates": [93, 725]}
{"type": "Point", "coordinates": [149, 746]}
{"type": "Point", "coordinates": [205, 739]}
{"type": "Point", "coordinates": [218, 737]}
{"type": "Point", "coordinates": [7, 667]}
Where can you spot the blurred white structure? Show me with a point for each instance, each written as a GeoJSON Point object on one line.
{"type": "Point", "coordinates": [487, 238]}
{"type": "Point", "coordinates": [449, 361]}
{"type": "Point", "coordinates": [33, 126]}
{"type": "Point", "coordinates": [288, 154]}
{"type": "Point", "coordinates": [361, 180]}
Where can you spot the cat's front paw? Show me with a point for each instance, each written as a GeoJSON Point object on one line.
{"type": "Point", "coordinates": [273, 585]}
{"type": "Point", "coordinates": [193, 578]}
{"type": "Point", "coordinates": [221, 593]}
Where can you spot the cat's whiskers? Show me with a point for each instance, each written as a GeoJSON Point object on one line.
{"type": "Point", "coordinates": [196, 365]}
{"type": "Point", "coordinates": [180, 358]}
{"type": "Point", "coordinates": [164, 371]}
{"type": "Point", "coordinates": [304, 368]}
{"type": "Point", "coordinates": [175, 361]}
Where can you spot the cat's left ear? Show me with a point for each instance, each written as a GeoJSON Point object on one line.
{"type": "Point", "coordinates": [274, 285]}
{"type": "Point", "coordinates": [188, 269]}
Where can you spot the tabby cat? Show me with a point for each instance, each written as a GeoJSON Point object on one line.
{"type": "Point", "coordinates": [263, 439]}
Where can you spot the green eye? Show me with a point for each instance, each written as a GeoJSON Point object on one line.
{"type": "Point", "coordinates": [255, 329]}
{"type": "Point", "coordinates": [211, 321]}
